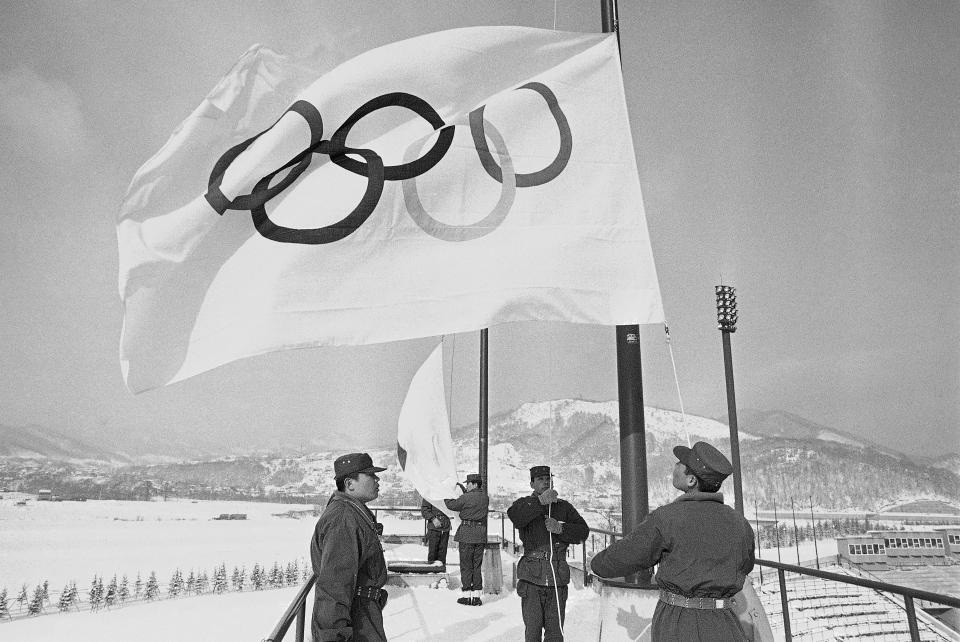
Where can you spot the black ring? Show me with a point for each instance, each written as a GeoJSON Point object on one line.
{"type": "Point", "coordinates": [220, 203]}
{"type": "Point", "coordinates": [336, 231]}
{"type": "Point", "coordinates": [407, 170]}
{"type": "Point", "coordinates": [542, 176]}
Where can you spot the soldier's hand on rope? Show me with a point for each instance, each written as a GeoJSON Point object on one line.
{"type": "Point", "coordinates": [552, 525]}
{"type": "Point", "coordinates": [548, 496]}
{"type": "Point", "coordinates": [436, 522]}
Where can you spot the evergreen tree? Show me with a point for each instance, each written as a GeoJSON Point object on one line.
{"type": "Point", "coordinates": [46, 591]}
{"type": "Point", "coordinates": [203, 582]}
{"type": "Point", "coordinates": [4, 606]}
{"type": "Point", "coordinates": [94, 595]}
{"type": "Point", "coordinates": [238, 578]}
{"type": "Point", "coordinates": [152, 589]}
{"type": "Point", "coordinates": [137, 587]}
{"type": "Point", "coordinates": [22, 597]}
{"type": "Point", "coordinates": [124, 591]}
{"type": "Point", "coordinates": [110, 597]}
{"type": "Point", "coordinates": [306, 573]}
{"type": "Point", "coordinates": [220, 579]}
{"type": "Point", "coordinates": [175, 587]}
{"type": "Point", "coordinates": [63, 605]}
{"type": "Point", "coordinates": [256, 577]}
{"type": "Point", "coordinates": [191, 583]}
{"type": "Point", "coordinates": [35, 607]}
{"type": "Point", "coordinates": [74, 595]}
{"type": "Point", "coordinates": [293, 572]}
{"type": "Point", "coordinates": [276, 576]}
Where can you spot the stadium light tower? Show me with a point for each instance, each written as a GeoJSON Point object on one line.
{"type": "Point", "coordinates": [727, 324]}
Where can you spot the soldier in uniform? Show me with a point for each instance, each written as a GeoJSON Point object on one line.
{"type": "Point", "coordinates": [348, 558]}
{"type": "Point", "coordinates": [472, 537]}
{"type": "Point", "coordinates": [438, 532]}
{"type": "Point", "coordinates": [704, 549]}
{"type": "Point", "coordinates": [544, 519]}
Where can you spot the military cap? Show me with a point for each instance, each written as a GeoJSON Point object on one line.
{"type": "Point", "coordinates": [539, 471]}
{"type": "Point", "coordinates": [474, 478]}
{"type": "Point", "coordinates": [706, 462]}
{"type": "Point", "coordinates": [354, 463]}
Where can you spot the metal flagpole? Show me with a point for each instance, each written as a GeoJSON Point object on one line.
{"type": "Point", "coordinates": [633, 440]}
{"type": "Point", "coordinates": [483, 409]}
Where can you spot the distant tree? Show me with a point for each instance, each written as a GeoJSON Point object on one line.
{"type": "Point", "coordinates": [124, 591]}
{"type": "Point", "coordinates": [306, 573]}
{"type": "Point", "coordinates": [4, 606]}
{"type": "Point", "coordinates": [292, 573]}
{"type": "Point", "coordinates": [239, 578]}
{"type": "Point", "coordinates": [275, 577]}
{"type": "Point", "coordinates": [63, 604]}
{"type": "Point", "coordinates": [152, 589]}
{"type": "Point", "coordinates": [46, 591]}
{"type": "Point", "coordinates": [220, 579]}
{"type": "Point", "coordinates": [74, 595]}
{"type": "Point", "coordinates": [111, 596]}
{"type": "Point", "coordinates": [256, 577]}
{"type": "Point", "coordinates": [137, 587]}
{"type": "Point", "coordinates": [191, 583]}
{"type": "Point", "coordinates": [175, 587]}
{"type": "Point", "coordinates": [35, 607]}
{"type": "Point", "coordinates": [22, 597]}
{"type": "Point", "coordinates": [203, 582]}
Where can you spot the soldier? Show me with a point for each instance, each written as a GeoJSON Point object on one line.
{"type": "Point", "coordinates": [471, 537]}
{"type": "Point", "coordinates": [438, 532]}
{"type": "Point", "coordinates": [348, 558]}
{"type": "Point", "coordinates": [544, 519]}
{"type": "Point", "coordinates": [704, 550]}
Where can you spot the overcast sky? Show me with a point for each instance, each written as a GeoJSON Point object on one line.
{"type": "Point", "coordinates": [806, 153]}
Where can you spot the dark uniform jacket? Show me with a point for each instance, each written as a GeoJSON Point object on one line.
{"type": "Point", "coordinates": [472, 506]}
{"type": "Point", "coordinates": [528, 514]}
{"type": "Point", "coordinates": [431, 512]}
{"type": "Point", "coordinates": [703, 548]}
{"type": "Point", "coordinates": [346, 553]}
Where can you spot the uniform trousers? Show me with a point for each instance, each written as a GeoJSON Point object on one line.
{"type": "Point", "coordinates": [471, 560]}
{"type": "Point", "coordinates": [538, 604]}
{"type": "Point", "coordinates": [437, 545]}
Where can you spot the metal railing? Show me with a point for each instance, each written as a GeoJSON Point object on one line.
{"type": "Point", "coordinates": [297, 608]}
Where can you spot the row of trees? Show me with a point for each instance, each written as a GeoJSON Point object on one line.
{"type": "Point", "coordinates": [118, 592]}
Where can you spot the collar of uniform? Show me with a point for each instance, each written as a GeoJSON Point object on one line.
{"type": "Point", "coordinates": [697, 496]}
{"type": "Point", "coordinates": [343, 497]}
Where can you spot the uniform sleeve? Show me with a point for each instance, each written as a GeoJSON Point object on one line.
{"type": "Point", "coordinates": [335, 564]}
{"type": "Point", "coordinates": [455, 504]}
{"type": "Point", "coordinates": [750, 551]}
{"type": "Point", "coordinates": [575, 528]}
{"type": "Point", "coordinates": [639, 550]}
{"type": "Point", "coordinates": [427, 510]}
{"type": "Point", "coordinates": [525, 510]}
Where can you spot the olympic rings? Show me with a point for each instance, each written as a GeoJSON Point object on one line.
{"type": "Point", "coordinates": [532, 179]}
{"type": "Point", "coordinates": [373, 169]}
{"type": "Point", "coordinates": [490, 222]}
{"type": "Point", "coordinates": [336, 231]}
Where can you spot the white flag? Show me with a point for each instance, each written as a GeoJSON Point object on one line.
{"type": "Point", "coordinates": [436, 185]}
{"type": "Point", "coordinates": [424, 446]}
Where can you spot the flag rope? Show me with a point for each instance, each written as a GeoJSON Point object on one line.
{"type": "Point", "coordinates": [676, 380]}
{"type": "Point", "coordinates": [556, 588]}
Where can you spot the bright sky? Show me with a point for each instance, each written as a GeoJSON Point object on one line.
{"type": "Point", "coordinates": [807, 153]}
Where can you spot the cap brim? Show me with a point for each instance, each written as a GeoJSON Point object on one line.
{"type": "Point", "coordinates": [373, 469]}
{"type": "Point", "coordinates": [682, 453]}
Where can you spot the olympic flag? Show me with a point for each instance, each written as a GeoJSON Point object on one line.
{"type": "Point", "coordinates": [424, 445]}
{"type": "Point", "coordinates": [440, 184]}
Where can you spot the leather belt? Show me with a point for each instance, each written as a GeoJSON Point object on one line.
{"type": "Point", "coordinates": [693, 602]}
{"type": "Point", "coordinates": [545, 555]}
{"type": "Point", "coordinates": [372, 593]}
{"type": "Point", "coordinates": [473, 522]}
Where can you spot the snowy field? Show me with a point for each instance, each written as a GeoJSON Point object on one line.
{"type": "Point", "coordinates": [71, 541]}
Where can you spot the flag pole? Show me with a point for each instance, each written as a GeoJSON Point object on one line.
{"type": "Point", "coordinates": [633, 440]}
{"type": "Point", "coordinates": [483, 409]}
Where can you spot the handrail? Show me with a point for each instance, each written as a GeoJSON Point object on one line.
{"type": "Point", "coordinates": [916, 594]}
{"type": "Point", "coordinates": [296, 609]}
